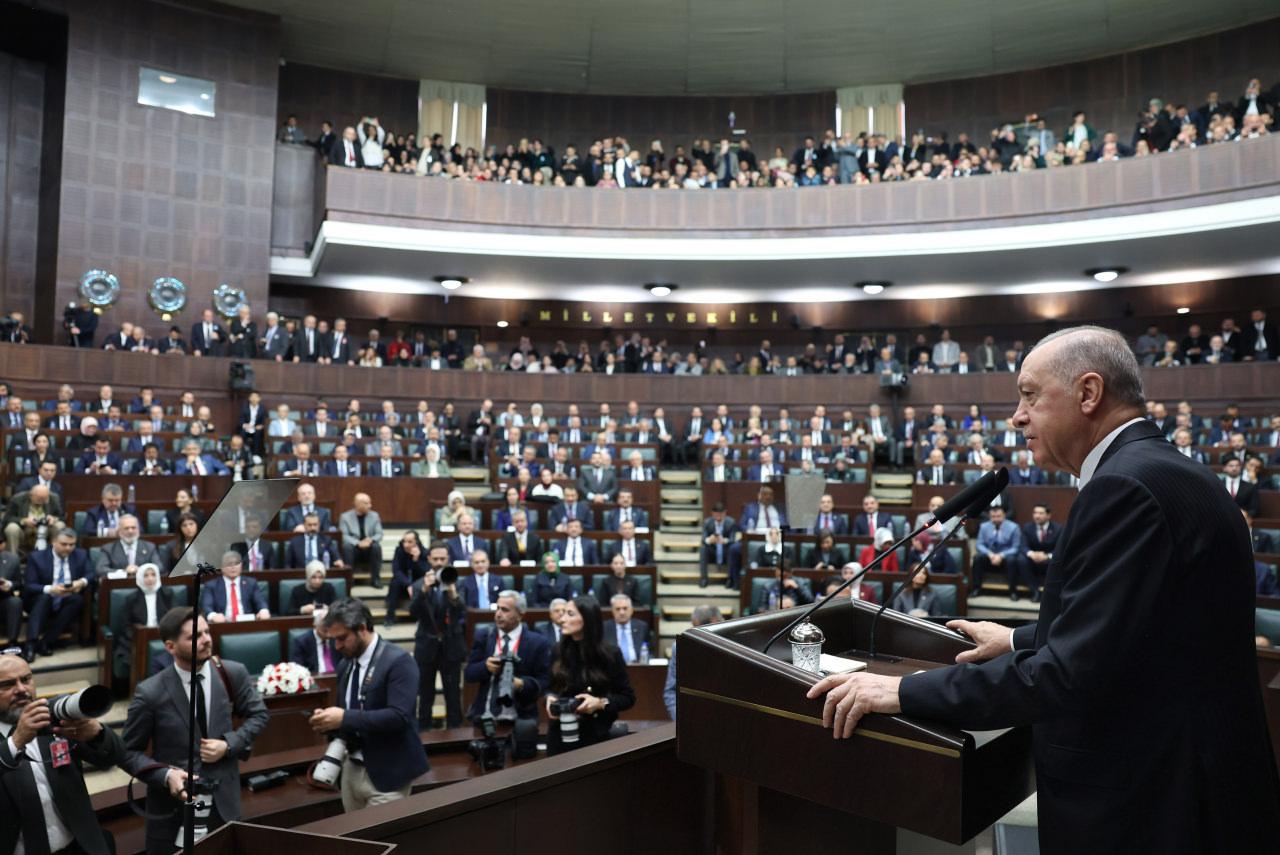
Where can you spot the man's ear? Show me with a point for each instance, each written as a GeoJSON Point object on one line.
{"type": "Point", "coordinates": [1090, 388]}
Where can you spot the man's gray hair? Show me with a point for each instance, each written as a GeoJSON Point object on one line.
{"type": "Point", "coordinates": [521, 603]}
{"type": "Point", "coordinates": [558, 601]}
{"type": "Point", "coordinates": [348, 612]}
{"type": "Point", "coordinates": [112, 490]}
{"type": "Point", "coordinates": [1102, 351]}
{"type": "Point", "coordinates": [705, 614]}
{"type": "Point", "coordinates": [619, 598]}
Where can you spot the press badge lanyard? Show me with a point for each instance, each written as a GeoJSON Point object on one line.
{"type": "Point", "coordinates": [367, 681]}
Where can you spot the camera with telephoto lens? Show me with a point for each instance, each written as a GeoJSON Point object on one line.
{"type": "Point", "coordinates": [566, 709]}
{"type": "Point", "coordinates": [202, 794]}
{"type": "Point", "coordinates": [329, 769]}
{"type": "Point", "coordinates": [488, 751]}
{"type": "Point", "coordinates": [89, 702]}
{"type": "Point", "coordinates": [69, 316]}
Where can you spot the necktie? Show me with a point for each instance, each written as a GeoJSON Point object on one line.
{"type": "Point", "coordinates": [202, 714]}
{"type": "Point", "coordinates": [719, 546]}
{"type": "Point", "coordinates": [326, 657]}
{"type": "Point", "coordinates": [575, 552]}
{"type": "Point", "coordinates": [353, 694]}
{"type": "Point", "coordinates": [630, 553]}
{"type": "Point", "coordinates": [482, 587]}
{"type": "Point", "coordinates": [311, 549]}
{"type": "Point", "coordinates": [1042, 534]}
{"type": "Point", "coordinates": [255, 560]}
{"type": "Point", "coordinates": [1232, 483]}
{"type": "Point", "coordinates": [466, 544]}
{"type": "Point", "coordinates": [208, 333]}
{"type": "Point", "coordinates": [937, 475]}
{"type": "Point", "coordinates": [624, 642]}
{"type": "Point", "coordinates": [199, 466]}
{"type": "Point", "coordinates": [235, 599]}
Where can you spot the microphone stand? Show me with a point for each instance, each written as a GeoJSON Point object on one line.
{"type": "Point", "coordinates": [847, 582]}
{"type": "Point", "coordinates": [203, 571]}
{"type": "Point", "coordinates": [924, 562]}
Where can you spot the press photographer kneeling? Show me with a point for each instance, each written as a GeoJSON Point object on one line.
{"type": "Point", "coordinates": [44, 806]}
{"type": "Point", "coordinates": [589, 682]}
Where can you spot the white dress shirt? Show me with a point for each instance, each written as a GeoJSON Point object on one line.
{"type": "Point", "coordinates": [572, 552]}
{"type": "Point", "coordinates": [206, 673]}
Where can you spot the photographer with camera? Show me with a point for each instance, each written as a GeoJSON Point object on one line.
{"type": "Point", "coordinates": [511, 663]}
{"type": "Point", "coordinates": [439, 644]}
{"type": "Point", "coordinates": [377, 735]}
{"type": "Point", "coordinates": [589, 683]}
{"type": "Point", "coordinates": [43, 743]}
{"type": "Point", "coordinates": [158, 716]}
{"type": "Point", "coordinates": [81, 322]}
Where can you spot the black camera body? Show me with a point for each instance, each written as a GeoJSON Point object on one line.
{"type": "Point", "coordinates": [488, 751]}
{"type": "Point", "coordinates": [565, 706]}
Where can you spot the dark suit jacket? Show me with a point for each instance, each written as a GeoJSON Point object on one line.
{"type": "Point", "coordinates": [115, 461]}
{"type": "Point", "coordinates": [439, 622]}
{"type": "Point", "coordinates": [158, 716]}
{"type": "Point", "coordinates": [471, 591]}
{"type": "Point", "coordinates": [269, 559]}
{"type": "Point", "coordinates": [295, 554]}
{"type": "Point", "coordinates": [751, 512]}
{"type": "Point", "coordinates": [457, 553]}
{"type": "Point", "coordinates": [545, 587]}
{"type": "Point", "coordinates": [534, 548]}
{"type": "Point", "coordinates": [644, 554]}
{"type": "Point", "coordinates": [613, 585]}
{"type": "Point", "coordinates": [612, 519]}
{"type": "Point", "coordinates": [303, 651]}
{"type": "Point", "coordinates": [533, 666]}
{"type": "Point", "coordinates": [213, 596]}
{"type": "Point", "coordinates": [582, 511]}
{"type": "Point", "coordinates": [387, 726]}
{"type": "Point", "coordinates": [40, 569]}
{"type": "Point", "coordinates": [212, 347]}
{"type": "Point", "coordinates": [300, 349]}
{"type": "Point", "coordinates": [293, 518]}
{"type": "Point", "coordinates": [20, 800]}
{"type": "Point", "coordinates": [924, 475]}
{"type": "Point", "coordinates": [1247, 497]}
{"type": "Point", "coordinates": [1123, 702]}
{"type": "Point", "coordinates": [640, 633]}
{"type": "Point", "coordinates": [590, 553]}
{"type": "Point", "coordinates": [1249, 341]}
{"type": "Point", "coordinates": [1031, 537]}
{"type": "Point", "coordinates": [861, 523]}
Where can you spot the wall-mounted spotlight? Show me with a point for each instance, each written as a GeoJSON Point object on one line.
{"type": "Point", "coordinates": [871, 289]}
{"type": "Point", "coordinates": [1106, 274]}
{"type": "Point", "coordinates": [660, 289]}
{"type": "Point", "coordinates": [452, 283]}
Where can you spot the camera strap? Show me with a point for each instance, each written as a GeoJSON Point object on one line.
{"type": "Point", "coordinates": [367, 680]}
{"type": "Point", "coordinates": [133, 803]}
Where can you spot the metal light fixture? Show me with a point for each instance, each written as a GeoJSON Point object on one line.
{"type": "Point", "coordinates": [1184, 310]}
{"type": "Point", "coordinates": [451, 283]}
{"type": "Point", "coordinates": [502, 325]}
{"type": "Point", "coordinates": [1106, 274]}
{"type": "Point", "coordinates": [871, 289]}
{"type": "Point", "coordinates": [660, 289]}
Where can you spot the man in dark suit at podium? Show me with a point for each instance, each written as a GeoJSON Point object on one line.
{"type": "Point", "coordinates": [1139, 679]}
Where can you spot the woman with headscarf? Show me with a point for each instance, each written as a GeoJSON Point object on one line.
{"type": "Point", "coordinates": [143, 607]}
{"type": "Point", "coordinates": [433, 466]}
{"type": "Point", "coordinates": [587, 671]}
{"type": "Point", "coordinates": [455, 506]}
{"type": "Point", "coordinates": [867, 554]}
{"type": "Point", "coordinates": [316, 593]}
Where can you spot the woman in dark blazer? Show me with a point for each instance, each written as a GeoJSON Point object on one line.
{"type": "Point", "coordinates": [918, 598]}
{"type": "Point", "coordinates": [408, 565]}
{"type": "Point", "coordinates": [183, 503]}
{"type": "Point", "coordinates": [825, 555]}
{"type": "Point", "coordinates": [316, 593]}
{"type": "Point", "coordinates": [143, 607]}
{"type": "Point", "coordinates": [188, 527]}
{"type": "Point", "coordinates": [586, 667]}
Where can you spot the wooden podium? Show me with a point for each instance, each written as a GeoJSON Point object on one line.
{"type": "Point", "coordinates": [744, 714]}
{"type": "Point", "coordinates": [243, 838]}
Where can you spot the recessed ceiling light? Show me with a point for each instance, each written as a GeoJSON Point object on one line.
{"type": "Point", "coordinates": [451, 283]}
{"type": "Point", "coordinates": [165, 78]}
{"type": "Point", "coordinates": [1184, 310]}
{"type": "Point", "coordinates": [873, 288]}
{"type": "Point", "coordinates": [204, 96]}
{"type": "Point", "coordinates": [1106, 274]}
{"type": "Point", "coordinates": [502, 325]}
{"type": "Point", "coordinates": [660, 289]}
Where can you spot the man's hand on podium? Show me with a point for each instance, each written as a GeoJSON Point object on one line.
{"type": "Point", "coordinates": [851, 696]}
{"type": "Point", "coordinates": [992, 639]}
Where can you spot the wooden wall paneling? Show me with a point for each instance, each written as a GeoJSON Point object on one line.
{"type": "Point", "coordinates": [316, 94]}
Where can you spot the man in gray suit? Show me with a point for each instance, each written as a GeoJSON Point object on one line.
{"type": "Point", "coordinates": [598, 482]}
{"type": "Point", "coordinates": [129, 552]}
{"type": "Point", "coordinates": [158, 716]}
{"type": "Point", "coordinates": [361, 529]}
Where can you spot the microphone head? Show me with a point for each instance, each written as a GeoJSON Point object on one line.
{"type": "Point", "coordinates": [978, 494]}
{"type": "Point", "coordinates": [982, 502]}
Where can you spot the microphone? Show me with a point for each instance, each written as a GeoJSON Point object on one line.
{"type": "Point", "coordinates": [981, 502]}
{"type": "Point", "coordinates": [983, 490]}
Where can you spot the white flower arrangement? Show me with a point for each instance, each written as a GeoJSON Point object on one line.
{"type": "Point", "coordinates": [285, 678]}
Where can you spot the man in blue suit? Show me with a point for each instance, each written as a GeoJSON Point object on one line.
{"type": "Point", "coordinates": [100, 460]}
{"type": "Point", "coordinates": [295, 514]}
{"type": "Point", "coordinates": [314, 652]}
{"type": "Point", "coordinates": [57, 584]}
{"type": "Point", "coordinates": [763, 514]}
{"type": "Point", "coordinates": [575, 550]}
{"type": "Point", "coordinates": [463, 544]}
{"type": "Point", "coordinates": [1023, 474]}
{"type": "Point", "coordinates": [102, 519]}
{"type": "Point", "coordinates": [531, 673]}
{"type": "Point", "coordinates": [195, 463]}
{"type": "Point", "coordinates": [231, 595]}
{"type": "Point", "coordinates": [340, 466]}
{"type": "Point", "coordinates": [377, 699]}
{"type": "Point", "coordinates": [480, 588]}
{"type": "Point", "coordinates": [570, 508]}
{"type": "Point", "coordinates": [386, 466]}
{"type": "Point", "coordinates": [828, 519]}
{"type": "Point", "coordinates": [312, 545]}
{"type": "Point", "coordinates": [766, 470]}
{"type": "Point", "coordinates": [999, 548]}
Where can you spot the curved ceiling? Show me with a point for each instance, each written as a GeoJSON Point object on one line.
{"type": "Point", "coordinates": [659, 47]}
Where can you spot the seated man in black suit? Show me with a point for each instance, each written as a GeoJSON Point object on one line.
{"type": "Point", "coordinates": [57, 589]}
{"type": "Point", "coordinates": [571, 508]}
{"type": "Point", "coordinates": [102, 519]}
{"type": "Point", "coordinates": [313, 650]}
{"type": "Point", "coordinates": [617, 582]}
{"type": "Point", "coordinates": [626, 510]}
{"type": "Point", "coordinates": [519, 545]}
{"type": "Point", "coordinates": [935, 471]}
{"type": "Point", "coordinates": [292, 518]}
{"type": "Point", "coordinates": [531, 671]}
{"type": "Point", "coordinates": [634, 552]}
{"type": "Point", "coordinates": [1262, 542]}
{"type": "Point", "coordinates": [575, 550]}
{"type": "Point", "coordinates": [312, 545]}
{"type": "Point", "coordinates": [828, 519]}
{"type": "Point", "coordinates": [628, 632]}
{"type": "Point", "coordinates": [1039, 537]}
{"type": "Point", "coordinates": [100, 460]}
{"type": "Point", "coordinates": [1242, 492]}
